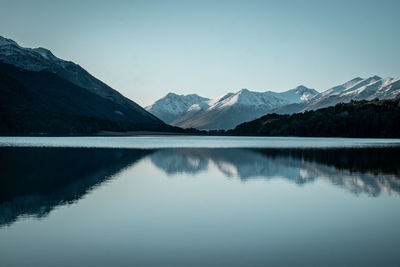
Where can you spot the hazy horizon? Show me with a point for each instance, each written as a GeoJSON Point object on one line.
{"type": "Point", "coordinates": [146, 49]}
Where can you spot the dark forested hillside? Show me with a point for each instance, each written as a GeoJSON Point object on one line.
{"type": "Point", "coordinates": [376, 118]}
{"type": "Point", "coordinates": [40, 102]}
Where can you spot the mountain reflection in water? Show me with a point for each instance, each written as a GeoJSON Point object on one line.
{"type": "Point", "coordinates": [367, 170]}
{"type": "Point", "coordinates": [33, 181]}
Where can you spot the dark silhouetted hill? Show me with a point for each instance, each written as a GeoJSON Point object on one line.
{"type": "Point", "coordinates": [369, 119]}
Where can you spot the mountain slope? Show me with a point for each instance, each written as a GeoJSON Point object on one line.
{"type": "Point", "coordinates": [39, 59]}
{"type": "Point", "coordinates": [229, 110]}
{"type": "Point", "coordinates": [355, 89]}
{"type": "Point", "coordinates": [172, 106]}
{"type": "Point", "coordinates": [296, 95]}
{"type": "Point", "coordinates": [42, 102]}
{"type": "Point", "coordinates": [224, 112]}
{"type": "Point", "coordinates": [44, 94]}
{"type": "Point", "coordinates": [367, 119]}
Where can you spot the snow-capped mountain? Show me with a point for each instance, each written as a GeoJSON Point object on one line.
{"type": "Point", "coordinates": [42, 93]}
{"type": "Point", "coordinates": [229, 110]}
{"type": "Point", "coordinates": [225, 112]}
{"type": "Point", "coordinates": [296, 95]}
{"type": "Point", "coordinates": [172, 106]}
{"type": "Point", "coordinates": [355, 89]}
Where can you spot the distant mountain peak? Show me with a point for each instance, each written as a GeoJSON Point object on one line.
{"type": "Point", "coordinates": [244, 93]}
{"type": "Point", "coordinates": [46, 53]}
{"type": "Point", "coordinates": [171, 94]}
{"type": "Point", "coordinates": [222, 98]}
{"type": "Point", "coordinates": [356, 79]}
{"type": "Point", "coordinates": [355, 89]}
{"type": "Point", "coordinates": [302, 87]}
{"type": "Point", "coordinates": [13, 49]}
{"type": "Point", "coordinates": [5, 41]}
{"type": "Point", "coordinates": [172, 105]}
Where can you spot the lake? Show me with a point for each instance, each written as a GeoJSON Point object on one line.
{"type": "Point", "coordinates": [199, 201]}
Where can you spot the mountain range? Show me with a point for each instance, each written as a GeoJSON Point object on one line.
{"type": "Point", "coordinates": [225, 112]}
{"type": "Point", "coordinates": [232, 109]}
{"type": "Point", "coordinates": [355, 89]}
{"type": "Point", "coordinates": [43, 94]}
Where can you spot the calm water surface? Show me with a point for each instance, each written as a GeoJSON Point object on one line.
{"type": "Point", "coordinates": [199, 201]}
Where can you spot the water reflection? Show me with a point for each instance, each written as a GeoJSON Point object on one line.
{"type": "Point", "coordinates": [33, 181]}
{"type": "Point", "coordinates": [359, 170]}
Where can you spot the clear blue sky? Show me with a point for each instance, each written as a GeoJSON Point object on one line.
{"type": "Point", "coordinates": [145, 49]}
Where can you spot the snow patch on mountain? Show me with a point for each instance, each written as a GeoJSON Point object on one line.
{"type": "Point", "coordinates": [296, 95]}
{"type": "Point", "coordinates": [247, 98]}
